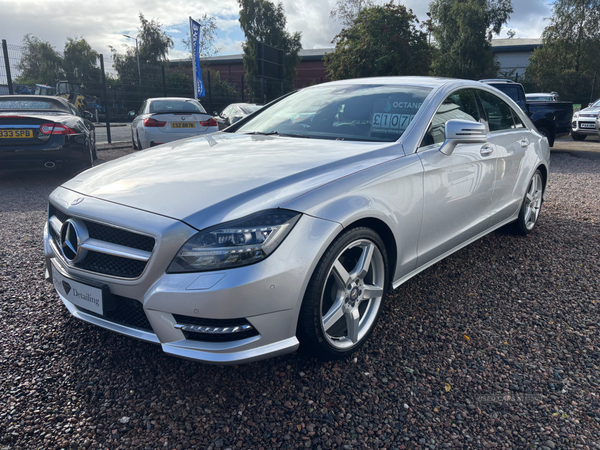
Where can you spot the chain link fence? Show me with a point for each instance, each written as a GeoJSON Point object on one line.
{"type": "Point", "coordinates": [126, 90]}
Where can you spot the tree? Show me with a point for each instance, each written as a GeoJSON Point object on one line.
{"type": "Point", "coordinates": [40, 62]}
{"type": "Point", "coordinates": [262, 21]}
{"type": "Point", "coordinates": [348, 10]}
{"type": "Point", "coordinates": [153, 43]}
{"type": "Point", "coordinates": [569, 57]}
{"type": "Point", "coordinates": [80, 61]}
{"type": "Point", "coordinates": [206, 38]}
{"type": "Point", "coordinates": [463, 32]}
{"type": "Point", "coordinates": [383, 40]}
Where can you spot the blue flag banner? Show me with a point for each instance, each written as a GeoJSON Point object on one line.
{"type": "Point", "coordinates": [195, 34]}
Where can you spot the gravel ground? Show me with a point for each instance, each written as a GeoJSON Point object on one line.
{"type": "Point", "coordinates": [513, 318]}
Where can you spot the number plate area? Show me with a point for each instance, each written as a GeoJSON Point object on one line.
{"type": "Point", "coordinates": [80, 294]}
{"type": "Point", "coordinates": [587, 125]}
{"type": "Point", "coordinates": [16, 134]}
{"type": "Point", "coordinates": [183, 125]}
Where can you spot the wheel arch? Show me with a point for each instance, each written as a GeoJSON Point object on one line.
{"type": "Point", "coordinates": [386, 234]}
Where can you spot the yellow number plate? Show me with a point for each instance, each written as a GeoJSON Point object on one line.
{"type": "Point", "coordinates": [16, 134]}
{"type": "Point", "coordinates": [183, 125]}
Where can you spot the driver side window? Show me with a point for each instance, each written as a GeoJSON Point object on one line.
{"type": "Point", "coordinates": [458, 105]}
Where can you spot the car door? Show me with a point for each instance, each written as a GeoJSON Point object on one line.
{"type": "Point", "coordinates": [511, 139]}
{"type": "Point", "coordinates": [458, 188]}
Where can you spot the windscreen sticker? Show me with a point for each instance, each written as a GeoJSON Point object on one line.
{"type": "Point", "coordinates": [391, 123]}
{"type": "Point", "coordinates": [393, 116]}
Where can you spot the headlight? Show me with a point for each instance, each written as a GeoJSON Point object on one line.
{"type": "Point", "coordinates": [234, 244]}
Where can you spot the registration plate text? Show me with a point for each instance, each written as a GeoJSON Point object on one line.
{"type": "Point", "coordinates": [183, 125]}
{"type": "Point", "coordinates": [16, 134]}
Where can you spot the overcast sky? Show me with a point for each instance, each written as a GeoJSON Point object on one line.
{"type": "Point", "coordinates": [103, 23]}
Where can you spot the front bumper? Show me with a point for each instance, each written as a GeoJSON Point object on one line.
{"type": "Point", "coordinates": [267, 295]}
{"type": "Point", "coordinates": [585, 126]}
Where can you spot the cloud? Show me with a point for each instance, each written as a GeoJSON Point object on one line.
{"type": "Point", "coordinates": [102, 24]}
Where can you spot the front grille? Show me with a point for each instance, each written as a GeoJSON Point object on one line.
{"type": "Point", "coordinates": [120, 237]}
{"type": "Point", "coordinates": [127, 312]}
{"type": "Point", "coordinates": [103, 263]}
{"type": "Point", "coordinates": [210, 337]}
{"type": "Point", "coordinates": [115, 266]}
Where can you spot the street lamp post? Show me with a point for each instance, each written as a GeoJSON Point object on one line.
{"type": "Point", "coordinates": [137, 52]}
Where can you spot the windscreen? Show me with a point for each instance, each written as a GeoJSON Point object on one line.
{"type": "Point", "coordinates": [176, 106]}
{"type": "Point", "coordinates": [349, 112]}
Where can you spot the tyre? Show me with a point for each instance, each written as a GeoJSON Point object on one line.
{"type": "Point", "coordinates": [135, 146]}
{"type": "Point", "coordinates": [532, 203]}
{"type": "Point", "coordinates": [94, 149]}
{"type": "Point", "coordinates": [578, 137]}
{"type": "Point", "coordinates": [139, 143]}
{"type": "Point", "coordinates": [345, 295]}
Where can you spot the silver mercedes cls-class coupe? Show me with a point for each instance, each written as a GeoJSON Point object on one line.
{"type": "Point", "coordinates": [290, 228]}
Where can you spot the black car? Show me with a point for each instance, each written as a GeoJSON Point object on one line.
{"type": "Point", "coordinates": [44, 132]}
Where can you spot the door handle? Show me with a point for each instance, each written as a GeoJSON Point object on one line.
{"type": "Point", "coordinates": [524, 142]}
{"type": "Point", "coordinates": [487, 149]}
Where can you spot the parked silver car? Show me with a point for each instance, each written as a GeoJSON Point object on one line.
{"type": "Point", "coordinates": [584, 121]}
{"type": "Point", "coordinates": [234, 113]}
{"type": "Point", "coordinates": [291, 227]}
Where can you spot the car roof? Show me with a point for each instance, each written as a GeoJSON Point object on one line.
{"type": "Point", "coordinates": [171, 99]}
{"type": "Point", "coordinates": [425, 82]}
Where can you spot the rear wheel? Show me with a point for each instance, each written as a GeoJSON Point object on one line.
{"type": "Point", "coordinates": [345, 295]}
{"type": "Point", "coordinates": [532, 203]}
{"type": "Point", "coordinates": [578, 137]}
{"type": "Point", "coordinates": [545, 132]}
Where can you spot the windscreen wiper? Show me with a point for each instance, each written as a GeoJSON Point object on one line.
{"type": "Point", "coordinates": [276, 133]}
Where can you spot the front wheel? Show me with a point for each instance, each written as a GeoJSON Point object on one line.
{"type": "Point", "coordinates": [345, 295]}
{"type": "Point", "coordinates": [135, 146]}
{"type": "Point", "coordinates": [578, 137]}
{"type": "Point", "coordinates": [532, 203]}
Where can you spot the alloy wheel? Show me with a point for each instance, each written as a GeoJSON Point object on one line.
{"type": "Point", "coordinates": [352, 294]}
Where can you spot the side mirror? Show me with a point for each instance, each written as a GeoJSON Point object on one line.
{"type": "Point", "coordinates": [463, 132]}
{"type": "Point", "coordinates": [215, 113]}
{"type": "Point", "coordinates": [88, 115]}
{"type": "Point", "coordinates": [131, 114]}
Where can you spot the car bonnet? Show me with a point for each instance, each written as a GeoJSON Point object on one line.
{"type": "Point", "coordinates": [207, 180]}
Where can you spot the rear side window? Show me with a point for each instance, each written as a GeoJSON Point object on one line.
{"type": "Point", "coordinates": [499, 114]}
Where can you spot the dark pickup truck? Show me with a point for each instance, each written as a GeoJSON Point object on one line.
{"type": "Point", "coordinates": [552, 119]}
